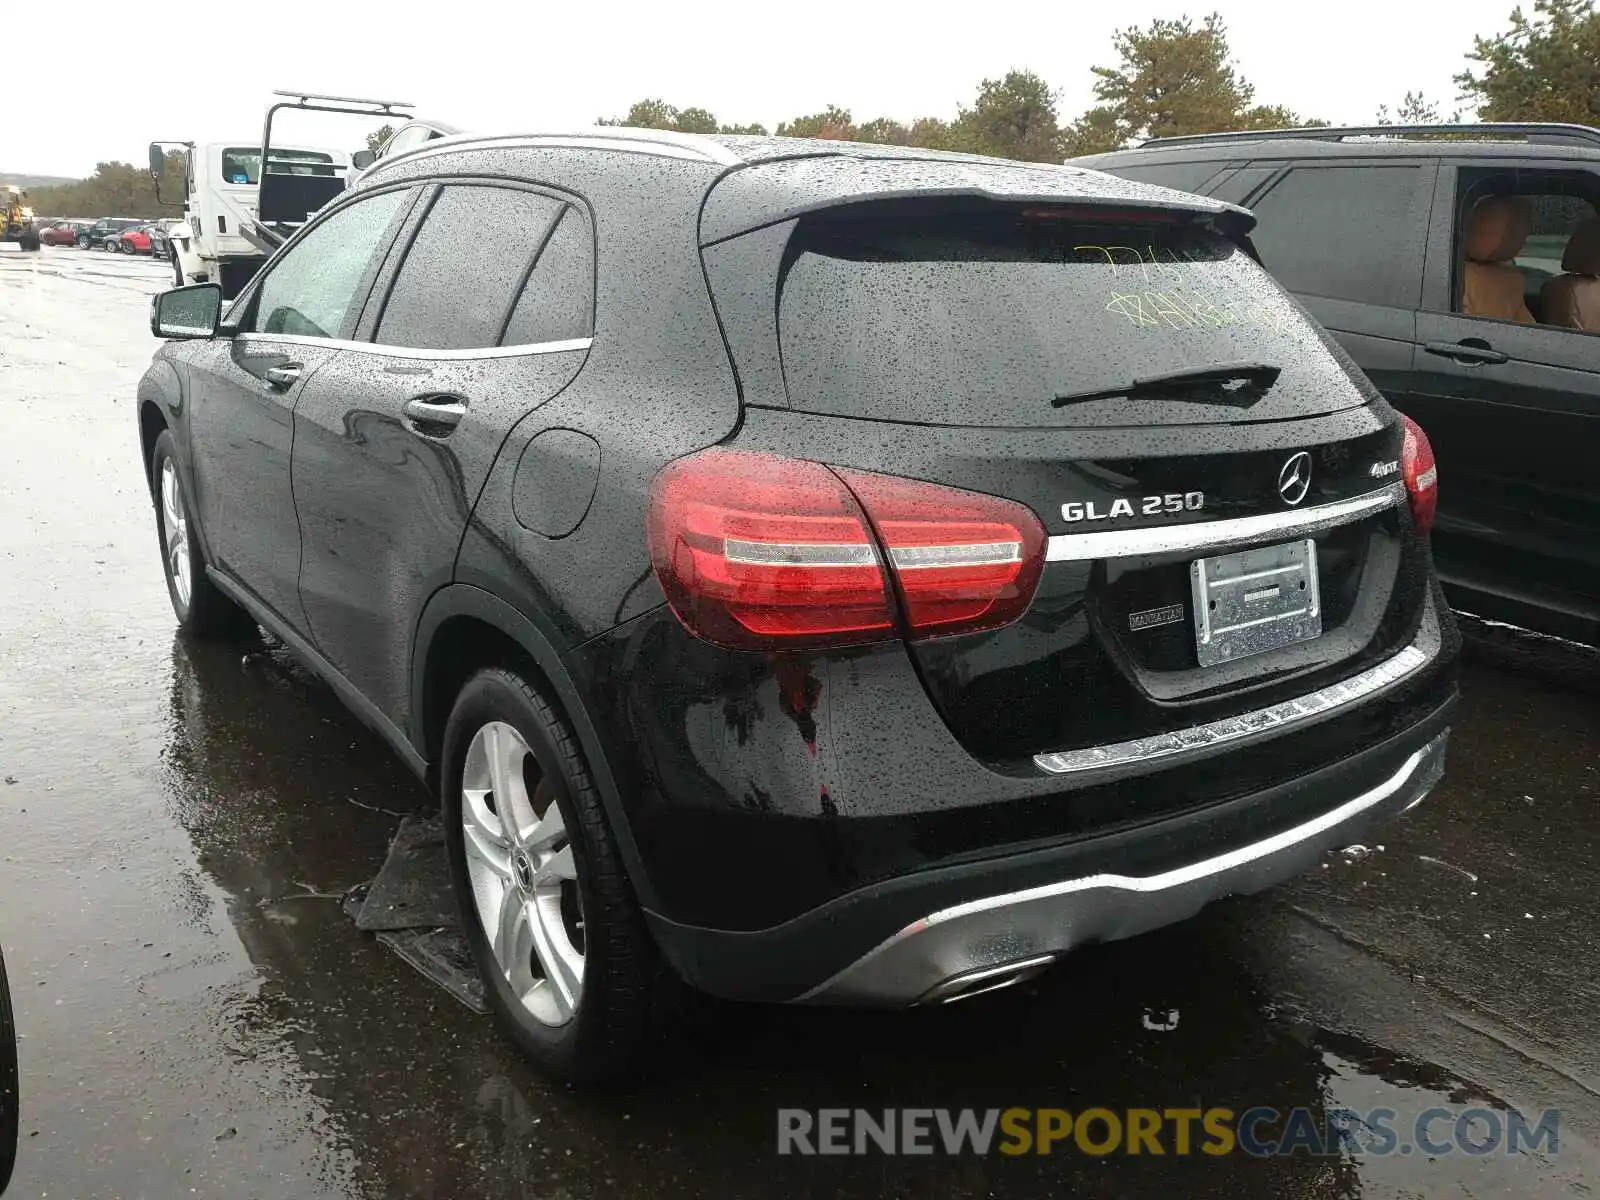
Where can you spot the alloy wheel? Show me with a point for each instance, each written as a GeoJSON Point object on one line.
{"type": "Point", "coordinates": [175, 531]}
{"type": "Point", "coordinates": [524, 880]}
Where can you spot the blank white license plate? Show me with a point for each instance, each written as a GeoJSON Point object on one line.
{"type": "Point", "coordinates": [1253, 601]}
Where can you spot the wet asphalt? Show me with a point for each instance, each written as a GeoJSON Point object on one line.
{"type": "Point", "coordinates": [198, 1018]}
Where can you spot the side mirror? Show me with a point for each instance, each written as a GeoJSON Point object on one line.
{"type": "Point", "coordinates": [158, 160]}
{"type": "Point", "coordinates": [362, 159]}
{"type": "Point", "coordinates": [187, 313]}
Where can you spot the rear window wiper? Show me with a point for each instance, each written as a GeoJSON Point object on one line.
{"type": "Point", "coordinates": [1238, 384]}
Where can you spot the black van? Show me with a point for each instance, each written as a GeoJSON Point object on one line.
{"type": "Point", "coordinates": [1460, 267]}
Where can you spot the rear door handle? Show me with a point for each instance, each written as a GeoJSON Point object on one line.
{"type": "Point", "coordinates": [1474, 352]}
{"type": "Point", "coordinates": [283, 377]}
{"type": "Point", "coordinates": [434, 416]}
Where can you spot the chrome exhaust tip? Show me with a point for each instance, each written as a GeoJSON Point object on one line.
{"type": "Point", "coordinates": [985, 979]}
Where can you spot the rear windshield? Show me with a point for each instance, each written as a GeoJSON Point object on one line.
{"type": "Point", "coordinates": [983, 316]}
{"type": "Point", "coordinates": [242, 164]}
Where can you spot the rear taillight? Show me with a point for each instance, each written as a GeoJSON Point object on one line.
{"type": "Point", "coordinates": [963, 561]}
{"type": "Point", "coordinates": [1421, 475]}
{"type": "Point", "coordinates": [757, 550]}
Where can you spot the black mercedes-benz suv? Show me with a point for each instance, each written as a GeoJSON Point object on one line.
{"type": "Point", "coordinates": [829, 573]}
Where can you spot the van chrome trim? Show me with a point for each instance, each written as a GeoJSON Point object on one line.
{"type": "Point", "coordinates": [1016, 930]}
{"type": "Point", "coordinates": [1231, 729]}
{"type": "Point", "coordinates": [1234, 531]}
{"type": "Point", "coordinates": [296, 339]}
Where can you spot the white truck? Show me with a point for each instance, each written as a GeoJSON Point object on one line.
{"type": "Point", "coordinates": [242, 199]}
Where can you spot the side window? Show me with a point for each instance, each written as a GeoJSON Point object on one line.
{"type": "Point", "coordinates": [315, 287]}
{"type": "Point", "coordinates": [1346, 233]}
{"type": "Point", "coordinates": [464, 267]}
{"type": "Point", "coordinates": [407, 138]}
{"type": "Point", "coordinates": [1553, 220]}
{"type": "Point", "coordinates": [558, 302]}
{"type": "Point", "coordinates": [1238, 187]}
{"type": "Point", "coordinates": [1184, 176]}
{"type": "Point", "coordinates": [1514, 247]}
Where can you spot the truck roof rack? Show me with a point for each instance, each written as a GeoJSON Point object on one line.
{"type": "Point", "coordinates": [1544, 134]}
{"type": "Point", "coordinates": [357, 103]}
{"type": "Point", "coordinates": [286, 199]}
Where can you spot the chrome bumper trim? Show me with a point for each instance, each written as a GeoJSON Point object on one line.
{"type": "Point", "coordinates": [1018, 927]}
{"type": "Point", "coordinates": [1230, 729]}
{"type": "Point", "coordinates": [1235, 531]}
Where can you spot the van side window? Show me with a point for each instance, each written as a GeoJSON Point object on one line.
{"type": "Point", "coordinates": [1346, 233]}
{"type": "Point", "coordinates": [464, 267]}
{"type": "Point", "coordinates": [1238, 187]}
{"type": "Point", "coordinates": [558, 302]}
{"type": "Point", "coordinates": [1528, 248]}
{"type": "Point", "coordinates": [1184, 176]}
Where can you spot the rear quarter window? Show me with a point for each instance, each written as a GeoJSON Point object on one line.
{"type": "Point", "coordinates": [557, 302]}
{"type": "Point", "coordinates": [465, 267]}
{"type": "Point", "coordinates": [1346, 232]}
{"type": "Point", "coordinates": [1183, 176]}
{"type": "Point", "coordinates": [983, 316]}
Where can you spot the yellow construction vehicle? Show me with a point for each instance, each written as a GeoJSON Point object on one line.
{"type": "Point", "coordinates": [16, 218]}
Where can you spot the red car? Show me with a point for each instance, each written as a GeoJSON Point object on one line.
{"type": "Point", "coordinates": [129, 241]}
{"type": "Point", "coordinates": [62, 233]}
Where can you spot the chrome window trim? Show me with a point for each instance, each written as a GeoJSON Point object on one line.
{"type": "Point", "coordinates": [661, 144]}
{"type": "Point", "coordinates": [1234, 531]}
{"type": "Point", "coordinates": [296, 339]}
{"type": "Point", "coordinates": [1213, 734]}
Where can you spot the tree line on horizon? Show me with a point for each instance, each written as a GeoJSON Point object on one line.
{"type": "Point", "coordinates": [1175, 78]}
{"type": "Point", "coordinates": [1172, 77]}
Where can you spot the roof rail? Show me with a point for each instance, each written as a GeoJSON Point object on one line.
{"type": "Point", "coordinates": [1538, 133]}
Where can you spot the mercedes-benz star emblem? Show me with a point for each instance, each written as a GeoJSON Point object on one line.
{"type": "Point", "coordinates": [1294, 481]}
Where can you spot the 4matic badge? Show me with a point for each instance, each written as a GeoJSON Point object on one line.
{"type": "Point", "coordinates": [1123, 506]}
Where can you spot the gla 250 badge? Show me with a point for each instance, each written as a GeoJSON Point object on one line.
{"type": "Point", "coordinates": [1148, 506]}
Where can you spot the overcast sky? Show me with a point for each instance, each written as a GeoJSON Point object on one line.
{"type": "Point", "coordinates": [122, 78]}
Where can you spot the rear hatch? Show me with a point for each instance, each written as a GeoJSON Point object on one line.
{"type": "Point", "coordinates": [1123, 373]}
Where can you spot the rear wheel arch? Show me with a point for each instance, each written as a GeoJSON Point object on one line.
{"type": "Point", "coordinates": [464, 629]}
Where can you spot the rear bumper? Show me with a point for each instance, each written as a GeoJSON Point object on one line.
{"type": "Point", "coordinates": [922, 936]}
{"type": "Point", "coordinates": [975, 946]}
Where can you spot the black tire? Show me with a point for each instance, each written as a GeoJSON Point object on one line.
{"type": "Point", "coordinates": [177, 270]}
{"type": "Point", "coordinates": [205, 612]}
{"type": "Point", "coordinates": [10, 1101]}
{"type": "Point", "coordinates": [622, 970]}
{"type": "Point", "coordinates": [83, 241]}
{"type": "Point", "coordinates": [30, 245]}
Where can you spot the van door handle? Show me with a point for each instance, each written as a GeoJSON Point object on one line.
{"type": "Point", "coordinates": [283, 377]}
{"type": "Point", "coordinates": [1475, 352]}
{"type": "Point", "coordinates": [434, 416]}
